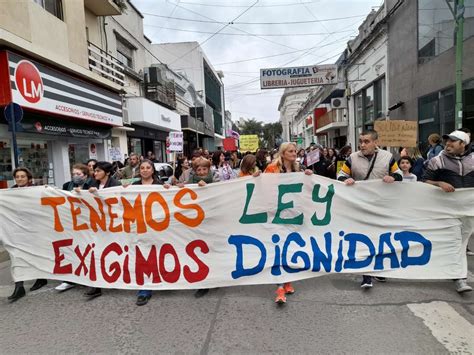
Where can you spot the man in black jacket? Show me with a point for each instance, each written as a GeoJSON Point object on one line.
{"type": "Point", "coordinates": [452, 169]}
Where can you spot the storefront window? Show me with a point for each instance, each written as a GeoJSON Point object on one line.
{"type": "Point", "coordinates": [428, 117]}
{"type": "Point", "coordinates": [135, 146]}
{"type": "Point", "coordinates": [447, 104]}
{"type": "Point", "coordinates": [369, 105]}
{"type": "Point", "coordinates": [78, 154]}
{"type": "Point", "coordinates": [359, 109]}
{"type": "Point", "coordinates": [34, 156]}
{"type": "Point", "coordinates": [6, 166]}
{"type": "Point", "coordinates": [158, 149]}
{"type": "Point", "coordinates": [380, 102]}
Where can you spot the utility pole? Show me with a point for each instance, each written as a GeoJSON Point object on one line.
{"type": "Point", "coordinates": [459, 30]}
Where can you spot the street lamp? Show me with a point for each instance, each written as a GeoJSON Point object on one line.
{"type": "Point", "coordinates": [458, 14]}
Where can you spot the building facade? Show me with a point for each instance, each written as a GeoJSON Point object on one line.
{"type": "Point", "coordinates": [366, 76]}
{"type": "Point", "coordinates": [203, 126]}
{"type": "Point", "coordinates": [290, 104]}
{"type": "Point", "coordinates": [422, 65]}
{"type": "Point", "coordinates": [70, 109]}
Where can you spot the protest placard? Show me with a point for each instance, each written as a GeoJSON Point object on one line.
{"type": "Point", "coordinates": [312, 157]}
{"type": "Point", "coordinates": [248, 143]}
{"type": "Point", "coordinates": [397, 133]}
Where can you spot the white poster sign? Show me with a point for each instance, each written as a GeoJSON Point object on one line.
{"type": "Point", "coordinates": [270, 229]}
{"type": "Point", "coordinates": [115, 154]}
{"type": "Point", "coordinates": [312, 157]}
{"type": "Point", "coordinates": [175, 142]}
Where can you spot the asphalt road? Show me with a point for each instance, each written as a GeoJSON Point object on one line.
{"type": "Point", "coordinates": [325, 315]}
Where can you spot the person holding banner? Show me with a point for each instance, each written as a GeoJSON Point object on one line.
{"type": "Point", "coordinates": [286, 162]}
{"type": "Point", "coordinates": [79, 178]}
{"type": "Point", "coordinates": [24, 178]}
{"type": "Point", "coordinates": [102, 180]}
{"type": "Point", "coordinates": [147, 174]}
{"type": "Point", "coordinates": [369, 163]}
{"type": "Point", "coordinates": [202, 176]}
{"type": "Point", "coordinates": [453, 169]}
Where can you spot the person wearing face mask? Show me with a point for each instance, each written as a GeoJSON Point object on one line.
{"type": "Point", "coordinates": [79, 178]}
{"type": "Point", "coordinates": [24, 178]}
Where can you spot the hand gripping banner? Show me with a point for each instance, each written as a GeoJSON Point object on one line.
{"type": "Point", "coordinates": [271, 229]}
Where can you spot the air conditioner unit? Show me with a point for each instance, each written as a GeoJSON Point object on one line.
{"type": "Point", "coordinates": [125, 117]}
{"type": "Point", "coordinates": [338, 103]}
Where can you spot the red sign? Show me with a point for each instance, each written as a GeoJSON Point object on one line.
{"type": "Point", "coordinates": [318, 113]}
{"type": "Point", "coordinates": [229, 144]}
{"type": "Point", "coordinates": [28, 81]}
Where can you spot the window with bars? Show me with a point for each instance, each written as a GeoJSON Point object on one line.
{"type": "Point", "coordinates": [125, 52]}
{"type": "Point", "coordinates": [54, 7]}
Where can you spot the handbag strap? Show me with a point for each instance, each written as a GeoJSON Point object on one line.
{"type": "Point", "coordinates": [371, 166]}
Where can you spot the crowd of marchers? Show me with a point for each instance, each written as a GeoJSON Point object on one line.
{"type": "Point", "coordinates": [447, 164]}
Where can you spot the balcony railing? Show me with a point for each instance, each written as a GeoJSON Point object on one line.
{"type": "Point", "coordinates": [105, 65]}
{"type": "Point", "coordinates": [331, 117]}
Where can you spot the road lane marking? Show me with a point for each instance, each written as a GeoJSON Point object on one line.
{"type": "Point", "coordinates": [452, 330]}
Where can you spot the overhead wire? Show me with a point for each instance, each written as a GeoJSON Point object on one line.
{"type": "Point", "coordinates": [235, 28]}
{"type": "Point", "coordinates": [235, 6]}
{"type": "Point", "coordinates": [232, 22]}
{"type": "Point", "coordinates": [247, 35]}
{"type": "Point", "coordinates": [214, 34]}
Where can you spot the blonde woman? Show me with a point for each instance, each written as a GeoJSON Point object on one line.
{"type": "Point", "coordinates": [285, 162]}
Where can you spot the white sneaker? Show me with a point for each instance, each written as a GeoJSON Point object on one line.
{"type": "Point", "coordinates": [64, 287]}
{"type": "Point", "coordinates": [462, 286]}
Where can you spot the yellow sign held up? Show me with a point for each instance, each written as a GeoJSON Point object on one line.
{"type": "Point", "coordinates": [397, 133]}
{"type": "Point", "coordinates": [248, 143]}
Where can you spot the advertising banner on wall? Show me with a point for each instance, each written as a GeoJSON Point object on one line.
{"type": "Point", "coordinates": [39, 87]}
{"type": "Point", "coordinates": [293, 77]}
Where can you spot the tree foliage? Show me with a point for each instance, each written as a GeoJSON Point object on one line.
{"type": "Point", "coordinates": [269, 133]}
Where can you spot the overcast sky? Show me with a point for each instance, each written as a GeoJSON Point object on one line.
{"type": "Point", "coordinates": [329, 25]}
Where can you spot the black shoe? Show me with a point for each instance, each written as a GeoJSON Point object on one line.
{"type": "Point", "coordinates": [366, 282]}
{"type": "Point", "coordinates": [201, 292]}
{"type": "Point", "coordinates": [380, 279]}
{"type": "Point", "coordinates": [93, 292]}
{"type": "Point", "coordinates": [18, 293]}
{"type": "Point", "coordinates": [38, 284]}
{"type": "Point", "coordinates": [142, 300]}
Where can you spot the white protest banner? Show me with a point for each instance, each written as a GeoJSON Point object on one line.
{"type": "Point", "coordinates": [312, 157]}
{"type": "Point", "coordinates": [313, 75]}
{"type": "Point", "coordinates": [270, 229]}
{"type": "Point", "coordinates": [175, 142]}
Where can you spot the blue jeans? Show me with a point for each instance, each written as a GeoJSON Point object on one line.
{"type": "Point", "coordinates": [144, 293]}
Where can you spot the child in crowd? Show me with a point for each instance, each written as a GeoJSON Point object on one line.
{"type": "Point", "coordinates": [202, 176]}
{"type": "Point", "coordinates": [405, 164]}
{"type": "Point", "coordinates": [202, 173]}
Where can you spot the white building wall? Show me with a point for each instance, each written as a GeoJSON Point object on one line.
{"type": "Point", "coordinates": [368, 67]}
